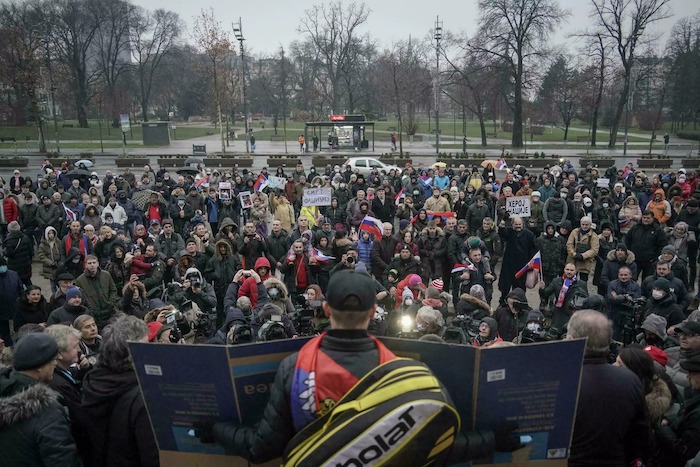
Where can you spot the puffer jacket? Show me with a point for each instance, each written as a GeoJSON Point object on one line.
{"type": "Point", "coordinates": [19, 250]}
{"type": "Point", "coordinates": [630, 214]}
{"type": "Point", "coordinates": [661, 208]}
{"type": "Point", "coordinates": [221, 268]}
{"type": "Point", "coordinates": [364, 250]}
{"type": "Point", "coordinates": [612, 265]}
{"type": "Point", "coordinates": [49, 254]}
{"type": "Point", "coordinates": [555, 210]}
{"type": "Point", "coordinates": [34, 426]}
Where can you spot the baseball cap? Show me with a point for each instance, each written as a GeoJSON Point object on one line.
{"type": "Point", "coordinates": [350, 290]}
{"type": "Point", "coordinates": [688, 327]}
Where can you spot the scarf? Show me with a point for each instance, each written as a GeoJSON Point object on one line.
{"type": "Point", "coordinates": [564, 289]}
{"type": "Point", "coordinates": [319, 381]}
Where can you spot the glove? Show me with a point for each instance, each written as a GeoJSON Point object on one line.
{"type": "Point", "coordinates": [204, 431]}
{"type": "Point", "coordinates": [505, 440]}
{"type": "Point", "coordinates": [578, 257]}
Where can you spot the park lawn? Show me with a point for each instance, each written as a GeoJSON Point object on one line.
{"type": "Point", "coordinates": [93, 133]}
{"type": "Point", "coordinates": [547, 148]}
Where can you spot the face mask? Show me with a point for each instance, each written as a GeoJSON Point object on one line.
{"type": "Point", "coordinates": [606, 205]}
{"type": "Point", "coordinates": [3, 269]}
{"type": "Point", "coordinates": [273, 293]}
{"type": "Point", "coordinates": [180, 203]}
{"type": "Point", "coordinates": [534, 327]}
{"type": "Point", "coordinates": [657, 295]}
{"type": "Point", "coordinates": [76, 260]}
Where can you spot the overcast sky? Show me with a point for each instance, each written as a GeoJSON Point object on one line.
{"type": "Point", "coordinates": [267, 24]}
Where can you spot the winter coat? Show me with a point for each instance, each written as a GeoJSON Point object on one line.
{"type": "Point", "coordinates": [646, 241]}
{"type": "Point", "coordinates": [561, 315]}
{"type": "Point", "coordinates": [49, 254]}
{"type": "Point", "coordinates": [48, 215]}
{"type": "Point", "coordinates": [11, 289]}
{"type": "Point", "coordinates": [553, 252]}
{"type": "Point", "coordinates": [382, 253]}
{"type": "Point", "coordinates": [249, 287]}
{"type": "Point", "coordinates": [630, 214]}
{"type": "Point", "coordinates": [383, 211]}
{"type": "Point", "coordinates": [99, 295]}
{"type": "Point", "coordinates": [34, 426]}
{"type": "Point", "coordinates": [278, 246]}
{"type": "Point", "coordinates": [680, 441]}
{"type": "Point", "coordinates": [28, 218]}
{"type": "Point", "coordinates": [170, 247]}
{"type": "Point", "coordinates": [364, 250]}
{"type": "Point", "coordinates": [473, 307]}
{"type": "Point", "coordinates": [284, 212]}
{"type": "Point", "coordinates": [439, 204]}
{"type": "Point", "coordinates": [509, 325]}
{"type": "Point", "coordinates": [66, 314]}
{"type": "Point", "coordinates": [432, 251]}
{"type": "Point", "coordinates": [117, 421]}
{"type": "Point", "coordinates": [19, 250]}
{"type": "Point", "coordinates": [612, 265]}
{"type": "Point", "coordinates": [31, 313]}
{"type": "Point", "coordinates": [221, 268]}
{"type": "Point", "coordinates": [667, 308]}
{"type": "Point", "coordinates": [678, 289]}
{"type": "Point", "coordinates": [132, 307]}
{"type": "Point", "coordinates": [555, 210]}
{"type": "Point", "coordinates": [252, 250]}
{"type": "Point", "coordinates": [661, 208]}
{"type": "Point", "coordinates": [290, 272]}
{"type": "Point", "coordinates": [577, 243]}
{"type": "Point", "coordinates": [118, 213]}
{"type": "Point", "coordinates": [519, 248]}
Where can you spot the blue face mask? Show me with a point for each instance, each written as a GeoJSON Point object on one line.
{"type": "Point", "coordinates": [3, 269]}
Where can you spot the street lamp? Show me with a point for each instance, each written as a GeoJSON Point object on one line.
{"type": "Point", "coordinates": [438, 37]}
{"type": "Point", "coordinates": [238, 32]}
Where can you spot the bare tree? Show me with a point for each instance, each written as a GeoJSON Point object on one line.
{"type": "Point", "coordinates": [622, 23]}
{"type": "Point", "coordinates": [557, 93]}
{"type": "Point", "coordinates": [218, 54]}
{"type": "Point", "coordinates": [516, 33]}
{"type": "Point", "coordinates": [153, 36]}
{"type": "Point", "coordinates": [333, 28]}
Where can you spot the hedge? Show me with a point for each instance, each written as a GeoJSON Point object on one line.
{"type": "Point", "coordinates": [694, 135]}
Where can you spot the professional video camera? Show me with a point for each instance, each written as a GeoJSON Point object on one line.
{"type": "Point", "coordinates": [539, 333]}
{"type": "Point", "coordinates": [304, 315]}
{"type": "Point", "coordinates": [271, 331]}
{"type": "Point", "coordinates": [407, 327]}
{"type": "Point", "coordinates": [466, 323]}
{"type": "Point", "coordinates": [631, 315]}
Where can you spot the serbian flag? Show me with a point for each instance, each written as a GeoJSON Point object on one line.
{"type": "Point", "coordinates": [444, 215]}
{"type": "Point", "coordinates": [627, 171]}
{"type": "Point", "coordinates": [400, 195]}
{"type": "Point", "coordinates": [260, 183]}
{"type": "Point", "coordinates": [320, 256]}
{"type": "Point", "coordinates": [70, 214]}
{"type": "Point", "coordinates": [624, 223]}
{"type": "Point", "coordinates": [501, 165]}
{"type": "Point", "coordinates": [426, 181]}
{"type": "Point", "coordinates": [202, 181]}
{"type": "Point", "coordinates": [373, 226]}
{"type": "Point", "coordinates": [464, 267]}
{"type": "Point", "coordinates": [535, 263]}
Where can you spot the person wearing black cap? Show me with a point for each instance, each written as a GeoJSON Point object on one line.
{"type": "Point", "coordinates": [663, 303]}
{"type": "Point", "coordinates": [348, 348]}
{"type": "Point", "coordinates": [34, 428]}
{"type": "Point", "coordinates": [679, 438]}
{"type": "Point", "coordinates": [676, 286]}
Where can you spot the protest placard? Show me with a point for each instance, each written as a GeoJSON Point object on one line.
{"type": "Point", "coordinates": [489, 387]}
{"type": "Point", "coordinates": [317, 197]}
{"type": "Point", "coordinates": [276, 182]}
{"type": "Point", "coordinates": [224, 190]}
{"type": "Point", "coordinates": [603, 183]}
{"type": "Point", "coordinates": [246, 199]}
{"type": "Point", "coordinates": [518, 206]}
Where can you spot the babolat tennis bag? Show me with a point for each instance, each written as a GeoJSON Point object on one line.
{"type": "Point", "coordinates": [398, 414]}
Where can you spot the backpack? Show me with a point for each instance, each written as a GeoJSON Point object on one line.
{"type": "Point", "coordinates": [397, 414]}
{"type": "Point", "coordinates": [271, 331]}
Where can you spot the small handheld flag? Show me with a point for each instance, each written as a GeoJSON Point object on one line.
{"type": "Point", "coordinates": [501, 165]}
{"type": "Point", "coordinates": [70, 214]}
{"type": "Point", "coordinates": [203, 181]}
{"type": "Point", "coordinates": [464, 267]}
{"type": "Point", "coordinates": [400, 195]}
{"type": "Point", "coordinates": [534, 263]}
{"type": "Point", "coordinates": [320, 256]}
{"type": "Point", "coordinates": [260, 183]}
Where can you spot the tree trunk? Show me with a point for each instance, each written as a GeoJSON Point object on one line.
{"type": "Point", "coordinates": [482, 127]}
{"type": "Point", "coordinates": [618, 113]}
{"type": "Point", "coordinates": [566, 130]}
{"type": "Point", "coordinates": [517, 140]}
{"type": "Point", "coordinates": [221, 126]}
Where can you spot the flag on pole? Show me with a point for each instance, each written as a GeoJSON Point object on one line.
{"type": "Point", "coordinates": [535, 263]}
{"type": "Point", "coordinates": [627, 171]}
{"type": "Point", "coordinates": [70, 214]}
{"type": "Point", "coordinates": [260, 183]}
{"type": "Point", "coordinates": [400, 195]}
{"type": "Point", "coordinates": [501, 165]}
{"type": "Point", "coordinates": [373, 226]}
{"type": "Point", "coordinates": [444, 215]}
{"type": "Point", "coordinates": [464, 267]}
{"type": "Point", "coordinates": [426, 181]}
{"type": "Point", "coordinates": [202, 181]}
{"type": "Point", "coordinates": [320, 256]}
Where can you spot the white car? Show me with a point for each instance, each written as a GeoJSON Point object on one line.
{"type": "Point", "coordinates": [366, 164]}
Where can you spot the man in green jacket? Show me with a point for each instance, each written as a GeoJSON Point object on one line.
{"type": "Point", "coordinates": [99, 291]}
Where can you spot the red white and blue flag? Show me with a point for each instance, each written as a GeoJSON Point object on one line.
{"type": "Point", "coordinates": [502, 164]}
{"type": "Point", "coordinates": [70, 214]}
{"type": "Point", "coordinates": [373, 226]}
{"type": "Point", "coordinates": [426, 181]}
{"type": "Point", "coordinates": [202, 181]}
{"type": "Point", "coordinates": [464, 267]}
{"type": "Point", "coordinates": [444, 215]}
{"type": "Point", "coordinates": [400, 195]}
{"type": "Point", "coordinates": [320, 256]}
{"type": "Point", "coordinates": [534, 264]}
{"type": "Point", "coordinates": [627, 171]}
{"type": "Point", "coordinates": [260, 183]}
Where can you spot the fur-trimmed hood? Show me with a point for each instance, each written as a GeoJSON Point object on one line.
{"type": "Point", "coordinates": [22, 397]}
{"type": "Point", "coordinates": [476, 302]}
{"type": "Point", "coordinates": [274, 282]}
{"type": "Point", "coordinates": [658, 400]}
{"type": "Point", "coordinates": [439, 232]}
{"type": "Point", "coordinates": [629, 260]}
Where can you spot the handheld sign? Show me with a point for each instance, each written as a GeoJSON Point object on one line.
{"type": "Point", "coordinates": [518, 206]}
{"type": "Point", "coordinates": [317, 197]}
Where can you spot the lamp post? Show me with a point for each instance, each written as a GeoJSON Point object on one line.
{"type": "Point", "coordinates": [438, 37]}
{"type": "Point", "coordinates": [238, 32]}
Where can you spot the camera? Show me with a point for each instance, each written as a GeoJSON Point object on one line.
{"type": "Point", "coordinates": [542, 335]}
{"type": "Point", "coordinates": [350, 260]}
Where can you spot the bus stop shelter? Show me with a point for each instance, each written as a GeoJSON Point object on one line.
{"type": "Point", "coordinates": [343, 131]}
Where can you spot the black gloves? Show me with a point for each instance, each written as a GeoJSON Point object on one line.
{"type": "Point", "coordinates": [506, 440]}
{"type": "Point", "coordinates": [578, 257]}
{"type": "Point", "coordinates": [204, 432]}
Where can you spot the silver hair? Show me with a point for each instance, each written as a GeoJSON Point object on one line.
{"type": "Point", "coordinates": [244, 304]}
{"type": "Point", "coordinates": [595, 326]}
{"type": "Point", "coordinates": [115, 342]}
{"type": "Point", "coordinates": [60, 332]}
{"type": "Point", "coordinates": [586, 218]}
{"type": "Point", "coordinates": [431, 316]}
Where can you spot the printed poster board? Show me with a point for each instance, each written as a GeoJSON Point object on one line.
{"type": "Point", "coordinates": [518, 206]}
{"type": "Point", "coordinates": [535, 385]}
{"type": "Point", "coordinates": [317, 197]}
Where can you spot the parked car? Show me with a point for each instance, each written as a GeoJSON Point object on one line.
{"type": "Point", "coordinates": [366, 164]}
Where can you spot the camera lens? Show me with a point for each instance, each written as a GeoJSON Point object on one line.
{"type": "Point", "coordinates": [351, 259]}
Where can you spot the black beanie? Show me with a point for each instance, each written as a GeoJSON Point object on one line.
{"type": "Point", "coordinates": [33, 351]}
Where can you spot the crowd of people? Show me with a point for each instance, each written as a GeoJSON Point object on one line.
{"type": "Point", "coordinates": [216, 256]}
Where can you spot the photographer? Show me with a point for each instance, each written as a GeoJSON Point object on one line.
{"type": "Point", "coordinates": [620, 299]}
{"type": "Point", "coordinates": [314, 300]}
{"type": "Point", "coordinates": [197, 290]}
{"type": "Point", "coordinates": [171, 317]}
{"type": "Point", "coordinates": [251, 245]}
{"type": "Point", "coordinates": [512, 317]}
{"type": "Point", "coordinates": [236, 312]}
{"type": "Point", "coordinates": [347, 261]}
